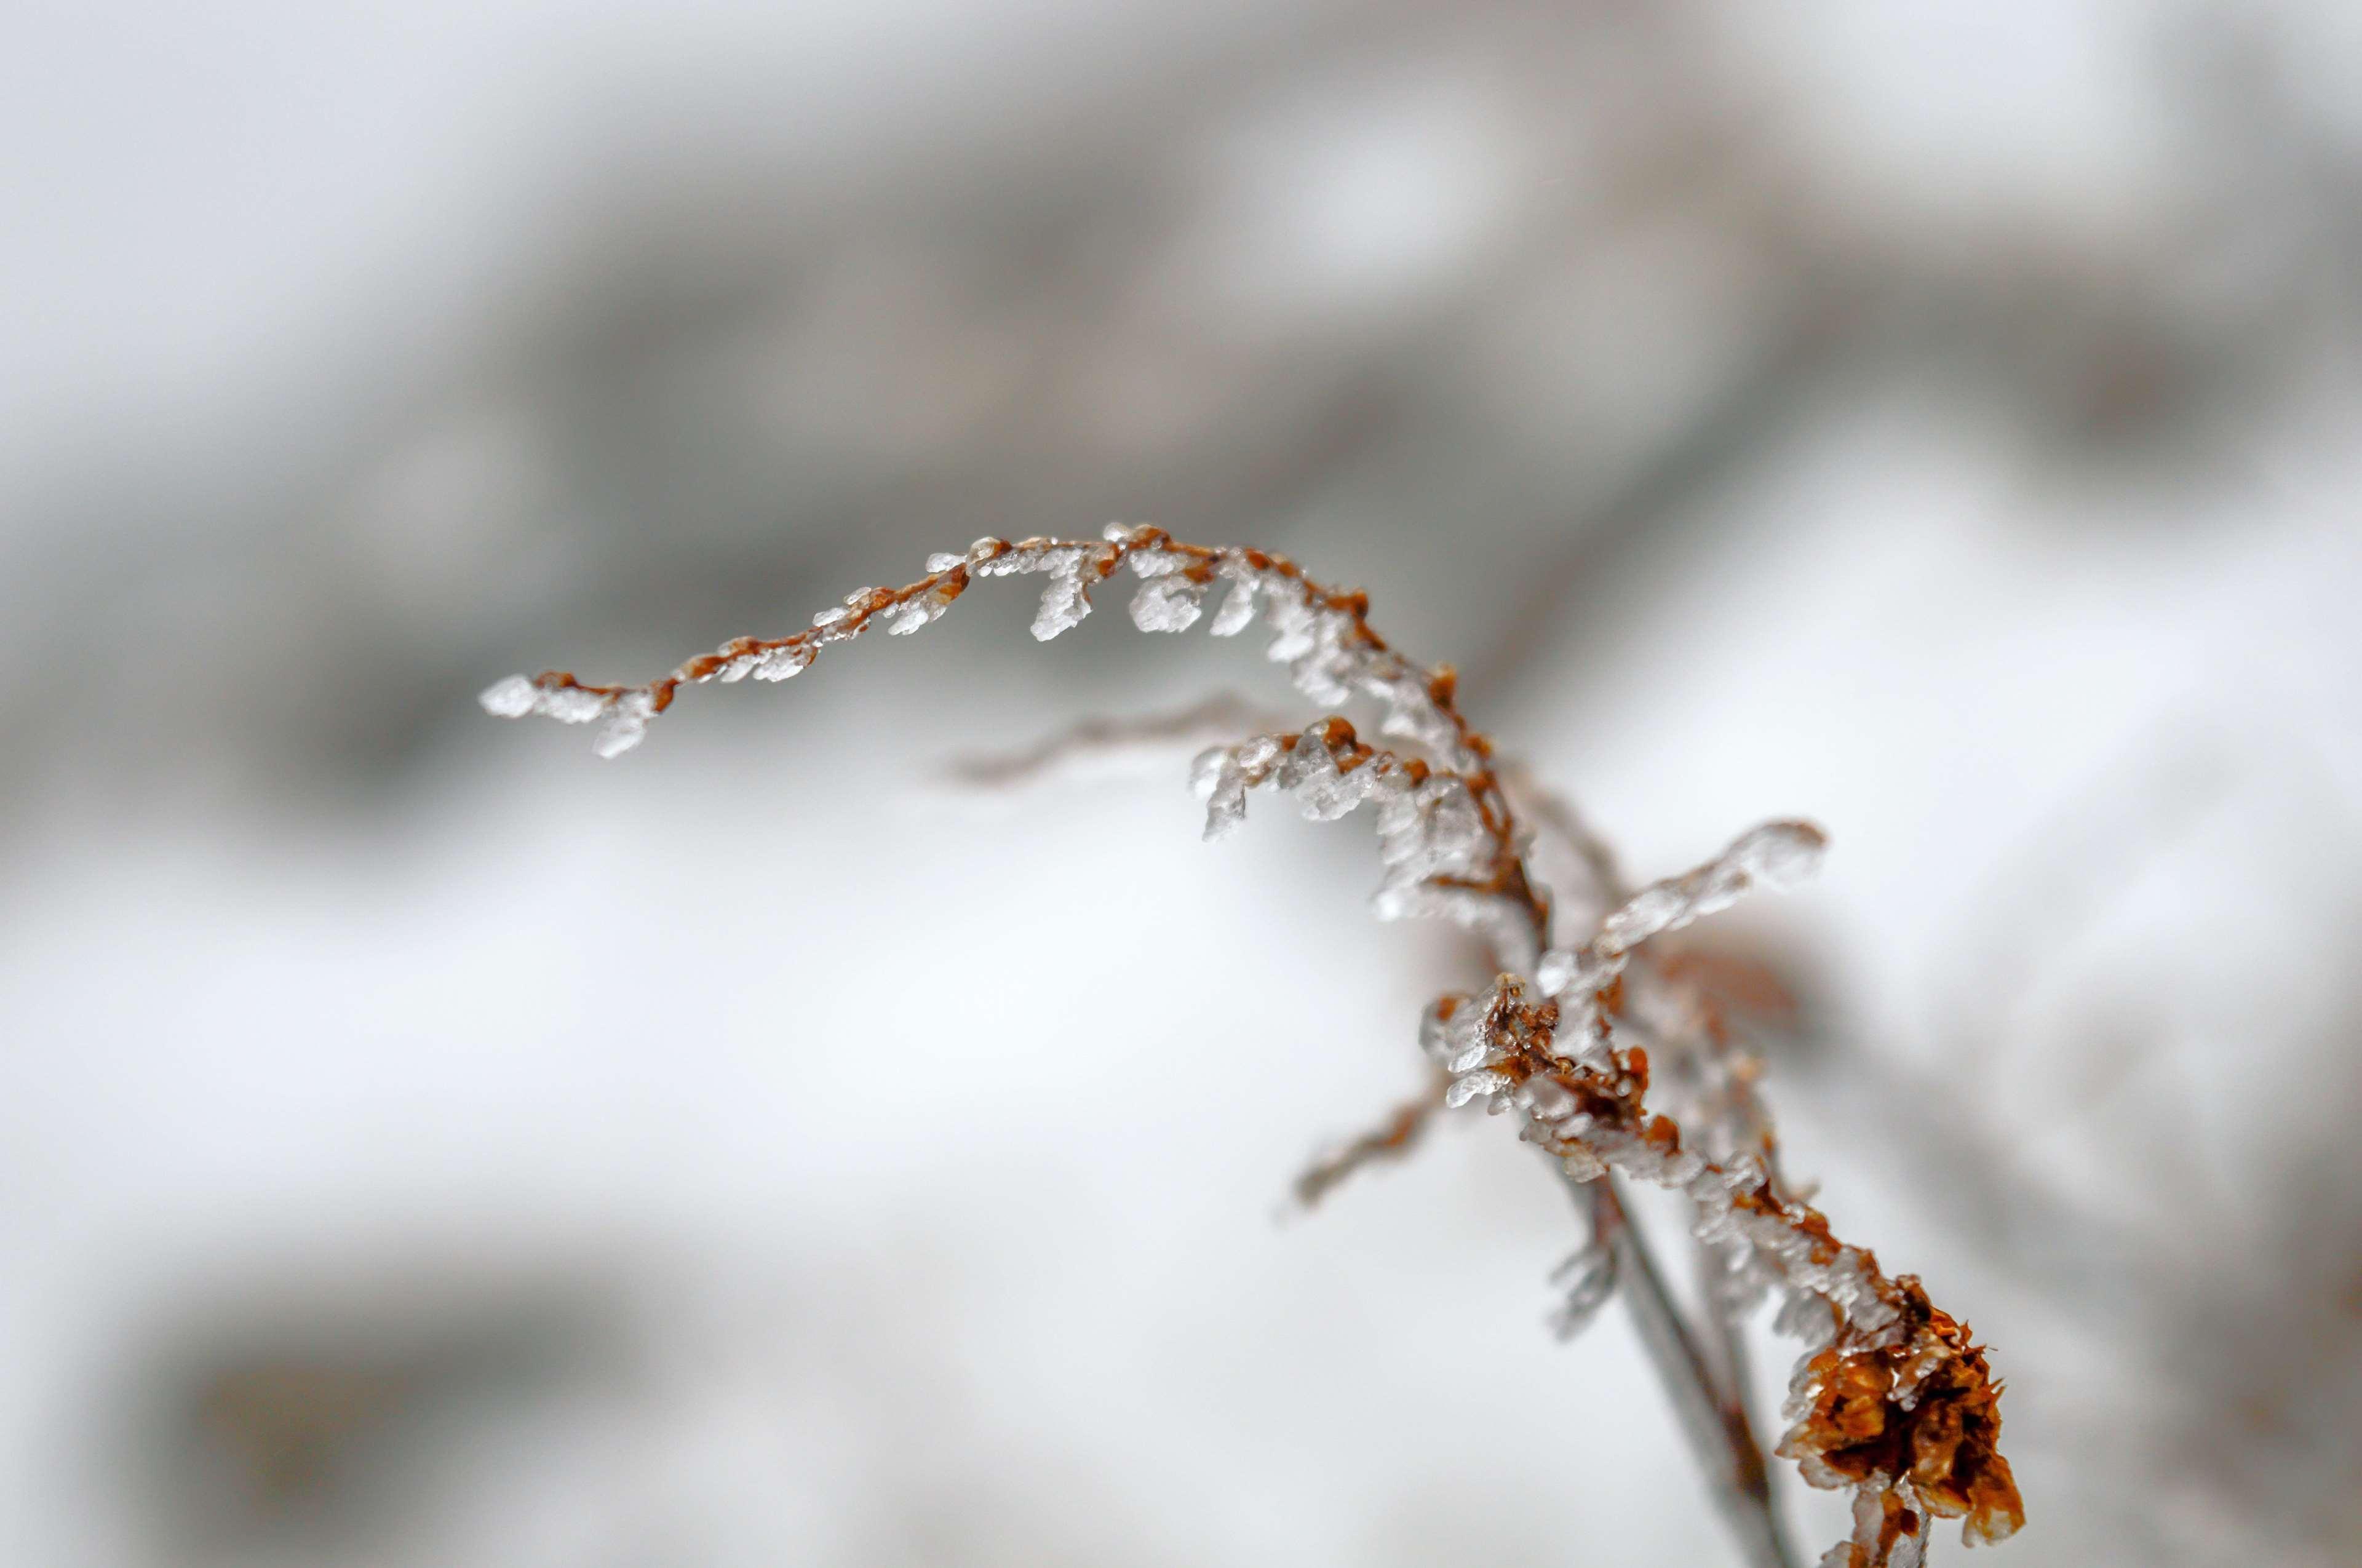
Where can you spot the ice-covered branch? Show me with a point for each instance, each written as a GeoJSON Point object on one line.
{"type": "Point", "coordinates": [1892, 1398]}
{"type": "Point", "coordinates": [1444, 814]}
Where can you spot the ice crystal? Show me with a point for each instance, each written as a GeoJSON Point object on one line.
{"type": "Point", "coordinates": [1454, 1034]}
{"type": "Point", "coordinates": [573, 705]}
{"type": "Point", "coordinates": [1313, 640]}
{"type": "Point", "coordinates": [1410, 711]}
{"type": "Point", "coordinates": [626, 712]}
{"type": "Point", "coordinates": [1778, 853]}
{"type": "Point", "coordinates": [1472, 1085]}
{"type": "Point", "coordinates": [1168, 603]}
{"type": "Point", "coordinates": [998, 558]}
{"type": "Point", "coordinates": [1238, 611]}
{"type": "Point", "coordinates": [923, 609]}
{"type": "Point", "coordinates": [1222, 784]}
{"type": "Point", "coordinates": [511, 699]}
{"type": "Point", "coordinates": [517, 697]}
{"type": "Point", "coordinates": [785, 662]}
{"type": "Point", "coordinates": [1065, 602]}
{"type": "Point", "coordinates": [1292, 620]}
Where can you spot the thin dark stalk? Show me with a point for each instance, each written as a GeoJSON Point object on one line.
{"type": "Point", "coordinates": [1726, 1341]}
{"type": "Point", "coordinates": [1715, 1426]}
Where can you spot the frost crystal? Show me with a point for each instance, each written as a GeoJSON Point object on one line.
{"type": "Point", "coordinates": [1457, 1041]}
{"type": "Point", "coordinates": [1561, 971]}
{"type": "Point", "coordinates": [1222, 784]}
{"type": "Point", "coordinates": [991, 559]}
{"type": "Point", "coordinates": [1152, 562]}
{"type": "Point", "coordinates": [573, 705]}
{"type": "Point", "coordinates": [626, 714]}
{"type": "Point", "coordinates": [1434, 828]}
{"type": "Point", "coordinates": [1327, 794]}
{"type": "Point", "coordinates": [1410, 711]}
{"type": "Point", "coordinates": [1168, 603]}
{"type": "Point", "coordinates": [783, 662]}
{"type": "Point", "coordinates": [627, 722]}
{"type": "Point", "coordinates": [1237, 609]}
{"type": "Point", "coordinates": [944, 560]}
{"type": "Point", "coordinates": [1312, 641]}
{"type": "Point", "coordinates": [510, 699]}
{"type": "Point", "coordinates": [1292, 620]}
{"type": "Point", "coordinates": [1065, 602]}
{"type": "Point", "coordinates": [1470, 1086]}
{"type": "Point", "coordinates": [921, 608]}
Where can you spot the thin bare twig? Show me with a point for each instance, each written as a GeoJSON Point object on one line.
{"type": "Point", "coordinates": [1219, 717]}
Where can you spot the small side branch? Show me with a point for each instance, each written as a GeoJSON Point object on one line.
{"type": "Point", "coordinates": [1397, 1137]}
{"type": "Point", "coordinates": [1220, 717]}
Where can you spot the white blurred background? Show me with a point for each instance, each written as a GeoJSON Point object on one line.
{"type": "Point", "coordinates": [422, 1143]}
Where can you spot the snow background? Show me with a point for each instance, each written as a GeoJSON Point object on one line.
{"type": "Point", "coordinates": [421, 1142]}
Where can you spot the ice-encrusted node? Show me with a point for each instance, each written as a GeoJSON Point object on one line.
{"type": "Point", "coordinates": [571, 704]}
{"type": "Point", "coordinates": [783, 662]}
{"type": "Point", "coordinates": [627, 723]}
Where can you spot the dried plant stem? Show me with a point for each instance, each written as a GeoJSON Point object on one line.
{"type": "Point", "coordinates": [1893, 1400]}
{"type": "Point", "coordinates": [1726, 1339]}
{"type": "Point", "coordinates": [1713, 1419]}
{"type": "Point", "coordinates": [1710, 1399]}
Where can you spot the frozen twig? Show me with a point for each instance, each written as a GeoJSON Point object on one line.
{"type": "Point", "coordinates": [1391, 1140]}
{"type": "Point", "coordinates": [1153, 736]}
{"type": "Point", "coordinates": [1893, 1400]}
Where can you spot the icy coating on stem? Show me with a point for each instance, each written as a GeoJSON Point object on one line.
{"type": "Point", "coordinates": [1891, 1398]}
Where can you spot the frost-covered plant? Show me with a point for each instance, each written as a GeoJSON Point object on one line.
{"type": "Point", "coordinates": [1614, 1065]}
